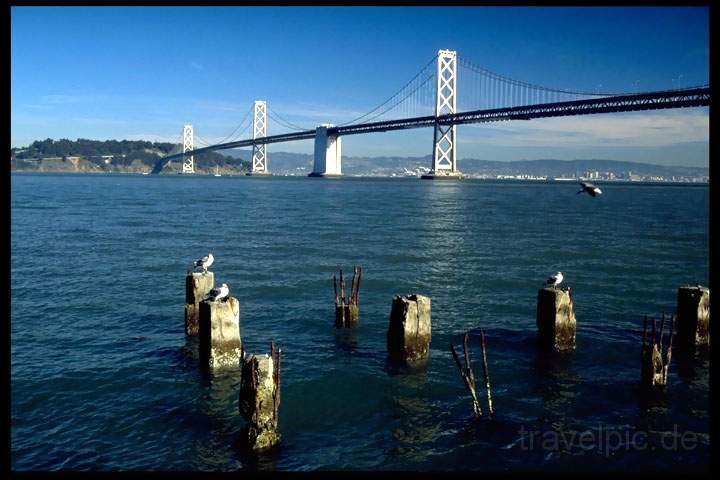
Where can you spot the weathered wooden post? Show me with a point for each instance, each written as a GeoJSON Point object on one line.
{"type": "Point", "coordinates": [259, 401]}
{"type": "Point", "coordinates": [693, 315]}
{"type": "Point", "coordinates": [219, 333]}
{"type": "Point", "coordinates": [409, 332]}
{"type": "Point", "coordinates": [197, 287]}
{"type": "Point", "coordinates": [655, 365]}
{"type": "Point", "coordinates": [347, 310]}
{"type": "Point", "coordinates": [556, 318]}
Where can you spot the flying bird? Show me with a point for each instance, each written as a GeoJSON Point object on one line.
{"type": "Point", "coordinates": [219, 293]}
{"type": "Point", "coordinates": [554, 280]}
{"type": "Point", "coordinates": [590, 188]}
{"type": "Point", "coordinates": [205, 262]}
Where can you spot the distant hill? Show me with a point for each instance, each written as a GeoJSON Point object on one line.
{"type": "Point", "coordinates": [129, 156]}
{"type": "Point", "coordinates": [287, 163]}
{"type": "Point", "coordinates": [135, 156]}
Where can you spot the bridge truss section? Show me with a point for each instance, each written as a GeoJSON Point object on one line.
{"type": "Point", "coordinates": [259, 151]}
{"type": "Point", "coordinates": [188, 162]}
{"type": "Point", "coordinates": [444, 140]}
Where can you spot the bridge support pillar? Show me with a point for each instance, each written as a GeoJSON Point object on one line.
{"type": "Point", "coordinates": [259, 155]}
{"type": "Point", "coordinates": [444, 162]}
{"type": "Point", "coordinates": [328, 154]}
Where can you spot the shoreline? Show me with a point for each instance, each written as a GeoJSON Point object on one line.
{"type": "Point", "coordinates": [365, 177]}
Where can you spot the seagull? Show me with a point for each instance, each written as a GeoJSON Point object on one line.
{"type": "Point", "coordinates": [205, 262]}
{"type": "Point", "coordinates": [555, 280]}
{"type": "Point", "coordinates": [590, 188]}
{"type": "Point", "coordinates": [218, 293]}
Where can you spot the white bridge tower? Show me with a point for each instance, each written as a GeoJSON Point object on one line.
{"type": "Point", "coordinates": [188, 162]}
{"type": "Point", "coordinates": [444, 161]}
{"type": "Point", "coordinates": [259, 152]}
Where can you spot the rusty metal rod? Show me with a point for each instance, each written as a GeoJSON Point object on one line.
{"type": "Point", "coordinates": [486, 372]}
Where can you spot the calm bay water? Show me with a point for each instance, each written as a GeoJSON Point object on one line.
{"type": "Point", "coordinates": [103, 377]}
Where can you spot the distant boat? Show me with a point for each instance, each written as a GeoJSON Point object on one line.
{"type": "Point", "coordinates": [144, 173]}
{"type": "Point", "coordinates": [217, 174]}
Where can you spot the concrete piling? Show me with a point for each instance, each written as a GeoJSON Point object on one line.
{"type": "Point", "coordinates": [259, 400]}
{"type": "Point", "coordinates": [409, 332]}
{"type": "Point", "coordinates": [197, 287]}
{"type": "Point", "coordinates": [556, 318]}
{"type": "Point", "coordinates": [347, 310]}
{"type": "Point", "coordinates": [693, 315]}
{"type": "Point", "coordinates": [219, 333]}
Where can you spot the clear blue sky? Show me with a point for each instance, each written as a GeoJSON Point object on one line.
{"type": "Point", "coordinates": [142, 72]}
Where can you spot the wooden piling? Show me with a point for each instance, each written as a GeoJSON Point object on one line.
{"type": "Point", "coordinates": [556, 318]}
{"type": "Point", "coordinates": [219, 333]}
{"type": "Point", "coordinates": [693, 315]}
{"type": "Point", "coordinates": [410, 330]}
{"type": "Point", "coordinates": [347, 310]}
{"type": "Point", "coordinates": [259, 399]}
{"type": "Point", "coordinates": [197, 287]}
{"type": "Point", "coordinates": [654, 363]}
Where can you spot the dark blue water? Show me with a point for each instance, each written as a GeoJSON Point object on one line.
{"type": "Point", "coordinates": [103, 377]}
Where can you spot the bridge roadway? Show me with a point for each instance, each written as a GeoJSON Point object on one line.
{"type": "Point", "coordinates": [696, 97]}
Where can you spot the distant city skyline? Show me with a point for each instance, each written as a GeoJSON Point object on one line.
{"type": "Point", "coordinates": [140, 73]}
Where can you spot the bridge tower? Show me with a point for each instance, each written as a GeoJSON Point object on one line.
{"type": "Point", "coordinates": [328, 153]}
{"type": "Point", "coordinates": [444, 160]}
{"type": "Point", "coordinates": [259, 155]}
{"type": "Point", "coordinates": [188, 162]}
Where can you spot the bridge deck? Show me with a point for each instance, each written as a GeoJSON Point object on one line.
{"type": "Point", "coordinates": [696, 97]}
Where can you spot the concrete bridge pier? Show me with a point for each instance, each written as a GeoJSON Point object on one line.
{"type": "Point", "coordinates": [328, 153]}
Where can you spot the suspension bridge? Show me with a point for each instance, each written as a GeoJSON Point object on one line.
{"type": "Point", "coordinates": [432, 99]}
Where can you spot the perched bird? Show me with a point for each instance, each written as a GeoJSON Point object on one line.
{"type": "Point", "coordinates": [219, 293]}
{"type": "Point", "coordinates": [589, 188]}
{"type": "Point", "coordinates": [555, 280]}
{"type": "Point", "coordinates": [205, 262]}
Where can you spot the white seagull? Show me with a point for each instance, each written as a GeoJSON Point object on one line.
{"type": "Point", "coordinates": [590, 188]}
{"type": "Point", "coordinates": [219, 293]}
{"type": "Point", "coordinates": [555, 280]}
{"type": "Point", "coordinates": [205, 262]}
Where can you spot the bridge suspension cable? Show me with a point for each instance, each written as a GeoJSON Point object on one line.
{"type": "Point", "coordinates": [503, 78]}
{"type": "Point", "coordinates": [400, 101]}
{"type": "Point", "coordinates": [424, 71]}
{"type": "Point", "coordinates": [233, 135]}
{"type": "Point", "coordinates": [237, 130]}
{"type": "Point", "coordinates": [285, 123]}
{"type": "Point", "coordinates": [488, 89]}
